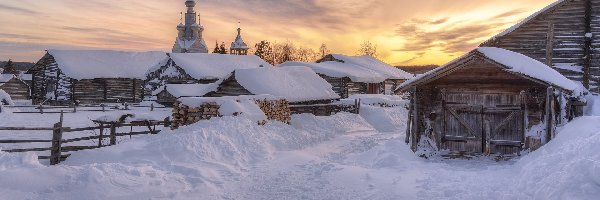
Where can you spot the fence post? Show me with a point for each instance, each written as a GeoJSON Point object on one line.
{"type": "Point", "coordinates": [41, 109]}
{"type": "Point", "coordinates": [113, 134]}
{"type": "Point", "coordinates": [103, 109]}
{"type": "Point", "coordinates": [55, 153]}
{"type": "Point", "coordinates": [74, 107]}
{"type": "Point", "coordinates": [101, 135]}
{"type": "Point", "coordinates": [152, 107]}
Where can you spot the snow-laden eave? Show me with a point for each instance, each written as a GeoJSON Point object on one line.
{"type": "Point", "coordinates": [532, 17]}
{"type": "Point", "coordinates": [439, 72]}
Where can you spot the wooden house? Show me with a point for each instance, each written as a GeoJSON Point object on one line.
{"type": "Point", "coordinates": [198, 68]}
{"type": "Point", "coordinates": [15, 87]}
{"type": "Point", "coordinates": [298, 85]}
{"type": "Point", "coordinates": [393, 76]}
{"type": "Point", "coordinates": [491, 101]}
{"type": "Point", "coordinates": [564, 35]}
{"type": "Point", "coordinates": [91, 76]}
{"type": "Point", "coordinates": [169, 94]}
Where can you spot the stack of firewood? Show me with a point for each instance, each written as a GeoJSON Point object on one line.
{"type": "Point", "coordinates": [186, 115]}
{"type": "Point", "coordinates": [275, 110]}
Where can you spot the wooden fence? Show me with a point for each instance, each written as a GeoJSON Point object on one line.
{"type": "Point", "coordinates": [74, 108]}
{"type": "Point", "coordinates": [58, 145]}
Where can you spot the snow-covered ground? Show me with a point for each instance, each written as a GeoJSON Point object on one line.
{"type": "Point", "coordinates": [345, 156]}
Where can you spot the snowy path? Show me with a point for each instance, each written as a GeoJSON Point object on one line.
{"type": "Point", "coordinates": [336, 170]}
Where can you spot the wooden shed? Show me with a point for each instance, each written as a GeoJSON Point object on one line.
{"type": "Point", "coordinates": [91, 76]}
{"type": "Point", "coordinates": [15, 87]}
{"type": "Point", "coordinates": [564, 35]}
{"type": "Point", "coordinates": [169, 94]}
{"type": "Point", "coordinates": [393, 77]}
{"type": "Point", "coordinates": [489, 101]}
{"type": "Point", "coordinates": [197, 68]}
{"type": "Point", "coordinates": [298, 85]}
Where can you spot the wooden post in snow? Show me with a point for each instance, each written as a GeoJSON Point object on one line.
{"type": "Point", "coordinates": [55, 153]}
{"type": "Point", "coordinates": [549, 117]}
{"type": "Point", "coordinates": [415, 120]}
{"type": "Point", "coordinates": [113, 134]}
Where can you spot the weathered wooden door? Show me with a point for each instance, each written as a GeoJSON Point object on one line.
{"type": "Point", "coordinates": [505, 133]}
{"type": "Point", "coordinates": [463, 128]}
{"type": "Point", "coordinates": [473, 121]}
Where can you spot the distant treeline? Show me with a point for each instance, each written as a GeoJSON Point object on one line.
{"type": "Point", "coordinates": [21, 66]}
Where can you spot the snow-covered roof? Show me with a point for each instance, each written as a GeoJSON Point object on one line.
{"type": "Point", "coordinates": [528, 19]}
{"type": "Point", "coordinates": [296, 84]}
{"type": "Point", "coordinates": [6, 77]}
{"type": "Point", "coordinates": [514, 62]}
{"type": "Point", "coordinates": [26, 77]}
{"type": "Point", "coordinates": [90, 64]}
{"type": "Point", "coordinates": [376, 65]}
{"type": "Point", "coordinates": [339, 70]}
{"type": "Point", "coordinates": [191, 90]}
{"type": "Point", "coordinates": [215, 66]}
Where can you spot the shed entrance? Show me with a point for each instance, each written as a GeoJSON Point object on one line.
{"type": "Point", "coordinates": [474, 121]}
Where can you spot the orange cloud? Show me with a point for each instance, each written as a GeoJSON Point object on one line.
{"type": "Point", "coordinates": [406, 31]}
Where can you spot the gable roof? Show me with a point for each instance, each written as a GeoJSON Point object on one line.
{"type": "Point", "coordinates": [296, 84]}
{"type": "Point", "coordinates": [535, 15]}
{"type": "Point", "coordinates": [512, 62]}
{"type": "Point", "coordinates": [340, 70]}
{"type": "Point", "coordinates": [215, 66]}
{"type": "Point", "coordinates": [374, 64]}
{"type": "Point", "coordinates": [90, 64]}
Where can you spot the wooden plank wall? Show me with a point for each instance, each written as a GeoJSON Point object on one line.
{"type": "Point", "coordinates": [164, 75]}
{"type": "Point", "coordinates": [16, 88]}
{"type": "Point", "coordinates": [559, 34]}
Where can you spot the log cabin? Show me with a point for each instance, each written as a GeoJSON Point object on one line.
{"type": "Point", "coordinates": [392, 77]}
{"type": "Point", "coordinates": [15, 87]}
{"type": "Point", "coordinates": [63, 77]}
{"type": "Point", "coordinates": [489, 101]}
{"type": "Point", "coordinates": [563, 35]}
{"type": "Point", "coordinates": [169, 94]}
{"type": "Point", "coordinates": [198, 68]}
{"type": "Point", "coordinates": [299, 85]}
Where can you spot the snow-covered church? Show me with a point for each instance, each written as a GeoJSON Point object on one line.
{"type": "Point", "coordinates": [189, 38]}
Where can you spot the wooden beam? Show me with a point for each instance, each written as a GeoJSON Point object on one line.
{"type": "Point", "coordinates": [550, 44]}
{"type": "Point", "coordinates": [587, 50]}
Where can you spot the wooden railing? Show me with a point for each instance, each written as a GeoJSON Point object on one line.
{"type": "Point", "coordinates": [74, 108]}
{"type": "Point", "coordinates": [58, 145]}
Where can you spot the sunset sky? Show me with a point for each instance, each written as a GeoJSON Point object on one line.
{"type": "Point", "coordinates": [406, 31]}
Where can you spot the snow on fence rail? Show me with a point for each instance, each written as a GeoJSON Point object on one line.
{"type": "Point", "coordinates": [58, 143]}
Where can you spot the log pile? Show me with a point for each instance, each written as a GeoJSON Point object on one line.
{"type": "Point", "coordinates": [276, 110]}
{"type": "Point", "coordinates": [185, 115]}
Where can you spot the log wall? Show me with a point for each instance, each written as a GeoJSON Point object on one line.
{"type": "Point", "coordinates": [51, 86]}
{"type": "Point", "coordinates": [565, 37]}
{"type": "Point", "coordinates": [16, 88]}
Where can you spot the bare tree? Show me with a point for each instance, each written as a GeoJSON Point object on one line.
{"type": "Point", "coordinates": [368, 49]}
{"type": "Point", "coordinates": [323, 50]}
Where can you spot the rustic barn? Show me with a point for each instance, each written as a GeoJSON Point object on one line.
{"type": "Point", "coordinates": [15, 87]}
{"type": "Point", "coordinates": [393, 77]}
{"type": "Point", "coordinates": [298, 85]}
{"type": "Point", "coordinates": [169, 94]}
{"type": "Point", "coordinates": [91, 76]}
{"type": "Point", "coordinates": [198, 68]}
{"type": "Point", "coordinates": [490, 101]}
{"type": "Point", "coordinates": [563, 35]}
